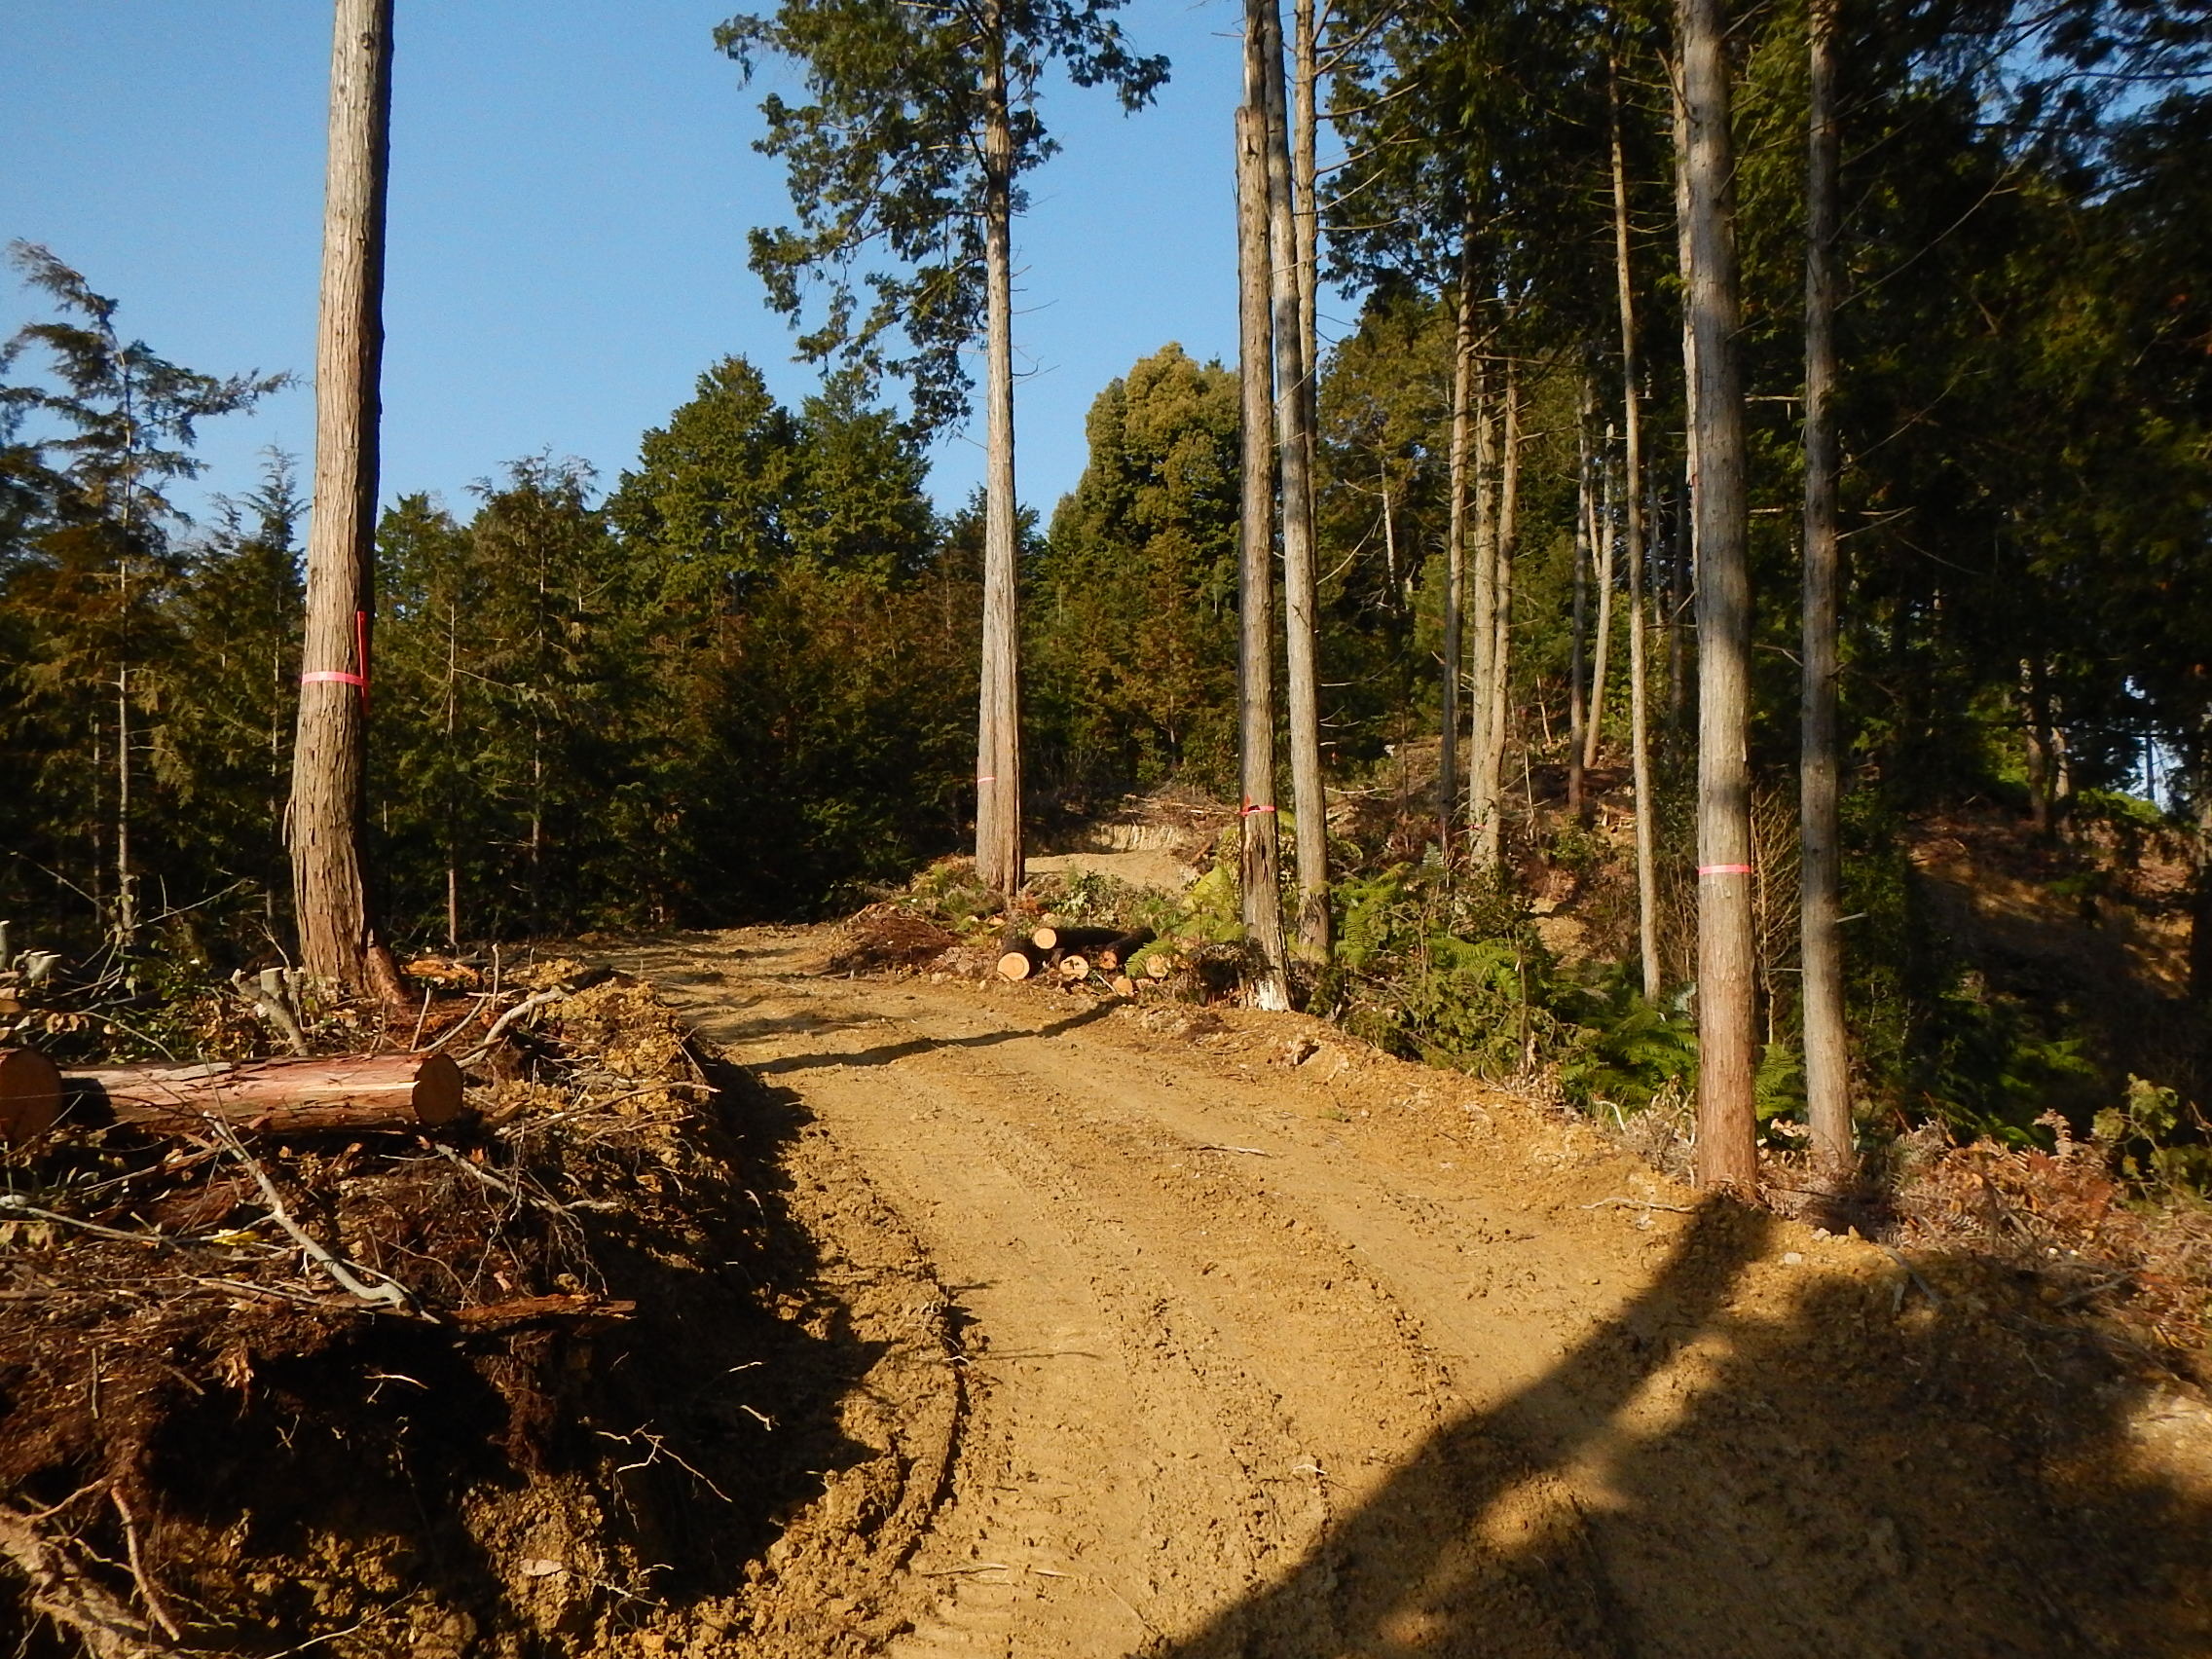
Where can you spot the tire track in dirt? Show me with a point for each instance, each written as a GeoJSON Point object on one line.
{"type": "Point", "coordinates": [1181, 1362]}
{"type": "Point", "coordinates": [1291, 1360]}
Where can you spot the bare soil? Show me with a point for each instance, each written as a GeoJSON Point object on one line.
{"type": "Point", "coordinates": [1202, 1333]}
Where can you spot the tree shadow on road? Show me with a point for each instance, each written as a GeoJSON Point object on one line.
{"type": "Point", "coordinates": [1718, 1471]}
{"type": "Point", "coordinates": [885, 1054]}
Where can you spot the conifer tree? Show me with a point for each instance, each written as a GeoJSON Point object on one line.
{"type": "Point", "coordinates": [338, 940]}
{"type": "Point", "coordinates": [923, 121]}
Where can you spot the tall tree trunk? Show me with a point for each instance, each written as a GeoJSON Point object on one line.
{"type": "Point", "coordinates": [1585, 543]}
{"type": "Point", "coordinates": [337, 938]}
{"type": "Point", "coordinates": [1287, 282]}
{"type": "Point", "coordinates": [452, 805]}
{"type": "Point", "coordinates": [1828, 1054]}
{"type": "Point", "coordinates": [1255, 560]}
{"type": "Point", "coordinates": [1606, 535]}
{"type": "Point", "coordinates": [1305, 121]}
{"type": "Point", "coordinates": [1456, 545]}
{"type": "Point", "coordinates": [1727, 1053]}
{"type": "Point", "coordinates": [998, 745]}
{"type": "Point", "coordinates": [1684, 571]}
{"type": "Point", "coordinates": [125, 878]}
{"type": "Point", "coordinates": [1489, 831]}
{"type": "Point", "coordinates": [1633, 515]}
{"type": "Point", "coordinates": [1482, 805]}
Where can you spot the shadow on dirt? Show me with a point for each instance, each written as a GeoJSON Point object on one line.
{"type": "Point", "coordinates": [1836, 1478]}
{"type": "Point", "coordinates": [888, 1054]}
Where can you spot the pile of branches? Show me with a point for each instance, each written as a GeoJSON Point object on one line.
{"type": "Point", "coordinates": [2137, 1268]}
{"type": "Point", "coordinates": [262, 1385]}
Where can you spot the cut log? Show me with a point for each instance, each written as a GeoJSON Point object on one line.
{"type": "Point", "coordinates": [1046, 937]}
{"type": "Point", "coordinates": [328, 1093]}
{"type": "Point", "coordinates": [1118, 953]}
{"type": "Point", "coordinates": [1073, 966]}
{"type": "Point", "coordinates": [1017, 965]}
{"type": "Point", "coordinates": [1124, 985]}
{"type": "Point", "coordinates": [30, 1094]}
{"type": "Point", "coordinates": [1158, 965]}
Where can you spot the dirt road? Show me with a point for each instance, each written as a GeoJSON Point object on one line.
{"type": "Point", "coordinates": [1238, 1338]}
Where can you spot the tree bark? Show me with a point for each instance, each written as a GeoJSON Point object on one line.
{"type": "Point", "coordinates": [998, 745]}
{"type": "Point", "coordinates": [1631, 511]}
{"type": "Point", "coordinates": [1607, 539]}
{"type": "Point", "coordinates": [1489, 829]}
{"type": "Point", "coordinates": [1482, 807]}
{"type": "Point", "coordinates": [1828, 1054]}
{"type": "Point", "coordinates": [325, 1093]}
{"type": "Point", "coordinates": [324, 827]}
{"type": "Point", "coordinates": [1255, 663]}
{"type": "Point", "coordinates": [1288, 284]}
{"type": "Point", "coordinates": [1585, 539]}
{"type": "Point", "coordinates": [1728, 1122]}
{"type": "Point", "coordinates": [1456, 545]}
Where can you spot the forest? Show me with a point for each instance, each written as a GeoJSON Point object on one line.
{"type": "Point", "coordinates": [1625, 1072]}
{"type": "Point", "coordinates": [1959, 510]}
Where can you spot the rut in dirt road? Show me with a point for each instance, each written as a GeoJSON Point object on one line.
{"type": "Point", "coordinates": [1345, 1357]}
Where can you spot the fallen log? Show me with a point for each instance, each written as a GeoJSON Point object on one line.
{"type": "Point", "coordinates": [1118, 953]}
{"type": "Point", "coordinates": [1017, 965]}
{"type": "Point", "coordinates": [341, 1092]}
{"type": "Point", "coordinates": [30, 1094]}
{"type": "Point", "coordinates": [1073, 968]}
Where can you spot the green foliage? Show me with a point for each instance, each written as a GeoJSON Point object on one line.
{"type": "Point", "coordinates": [2157, 1141]}
{"type": "Point", "coordinates": [888, 164]}
{"type": "Point", "coordinates": [1132, 613]}
{"type": "Point", "coordinates": [1625, 1050]}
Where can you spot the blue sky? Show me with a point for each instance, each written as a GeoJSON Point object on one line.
{"type": "Point", "coordinates": [570, 188]}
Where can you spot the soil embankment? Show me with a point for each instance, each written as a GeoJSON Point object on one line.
{"type": "Point", "coordinates": [1266, 1344]}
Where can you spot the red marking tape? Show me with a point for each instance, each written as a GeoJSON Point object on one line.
{"type": "Point", "coordinates": [1724, 869]}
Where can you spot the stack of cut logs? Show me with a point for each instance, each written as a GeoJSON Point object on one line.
{"type": "Point", "coordinates": [333, 1093]}
{"type": "Point", "coordinates": [1074, 954]}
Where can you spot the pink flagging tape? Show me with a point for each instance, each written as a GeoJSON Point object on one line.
{"type": "Point", "coordinates": [1724, 869]}
{"type": "Point", "coordinates": [1249, 809]}
{"type": "Point", "coordinates": [986, 780]}
{"type": "Point", "coordinates": [338, 676]}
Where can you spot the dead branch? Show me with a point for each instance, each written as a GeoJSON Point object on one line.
{"type": "Point", "coordinates": [390, 1293]}
{"type": "Point", "coordinates": [528, 1005]}
{"type": "Point", "coordinates": [267, 998]}
{"type": "Point", "coordinates": [138, 1577]}
{"type": "Point", "coordinates": [66, 1593]}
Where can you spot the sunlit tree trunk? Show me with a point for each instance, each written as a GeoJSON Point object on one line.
{"type": "Point", "coordinates": [1728, 1123]}
{"type": "Point", "coordinates": [1489, 829]}
{"type": "Point", "coordinates": [1585, 519]}
{"type": "Point", "coordinates": [1683, 589]}
{"type": "Point", "coordinates": [1456, 545]}
{"type": "Point", "coordinates": [998, 745]}
{"type": "Point", "coordinates": [1632, 517]}
{"type": "Point", "coordinates": [1606, 539]}
{"type": "Point", "coordinates": [337, 941]}
{"type": "Point", "coordinates": [1828, 1055]}
{"type": "Point", "coordinates": [1255, 672]}
{"type": "Point", "coordinates": [1288, 284]}
{"type": "Point", "coordinates": [1483, 610]}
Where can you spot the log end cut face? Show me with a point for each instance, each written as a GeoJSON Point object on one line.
{"type": "Point", "coordinates": [438, 1095]}
{"type": "Point", "coordinates": [30, 1094]}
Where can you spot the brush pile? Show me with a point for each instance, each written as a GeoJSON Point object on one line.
{"type": "Point", "coordinates": [471, 1388]}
